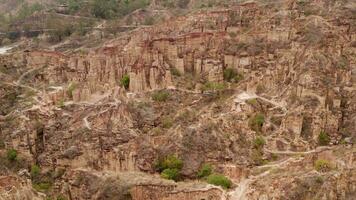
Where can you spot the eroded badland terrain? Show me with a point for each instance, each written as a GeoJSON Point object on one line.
{"type": "Point", "coordinates": [251, 100]}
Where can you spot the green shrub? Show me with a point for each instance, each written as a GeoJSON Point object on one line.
{"type": "Point", "coordinates": [61, 103]}
{"type": "Point", "coordinates": [70, 90]}
{"type": "Point", "coordinates": [256, 122]}
{"type": "Point", "coordinates": [169, 162]}
{"type": "Point", "coordinates": [160, 96]}
{"type": "Point", "coordinates": [35, 171]}
{"type": "Point", "coordinates": [104, 9]}
{"type": "Point", "coordinates": [323, 138]}
{"type": "Point", "coordinates": [259, 142]}
{"type": "Point", "coordinates": [125, 81]}
{"type": "Point", "coordinates": [167, 122]}
{"type": "Point", "coordinates": [231, 75]}
{"type": "Point", "coordinates": [42, 187]}
{"type": "Point", "coordinates": [205, 171]}
{"type": "Point", "coordinates": [322, 165]}
{"type": "Point", "coordinates": [213, 86]}
{"type": "Point", "coordinates": [219, 180]}
{"type": "Point", "coordinates": [175, 71]}
{"type": "Point", "coordinates": [170, 174]}
{"type": "Point", "coordinates": [11, 154]}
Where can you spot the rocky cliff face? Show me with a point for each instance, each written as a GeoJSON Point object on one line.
{"type": "Point", "coordinates": [282, 71]}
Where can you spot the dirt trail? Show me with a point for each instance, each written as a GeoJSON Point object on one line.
{"type": "Point", "coordinates": [243, 187]}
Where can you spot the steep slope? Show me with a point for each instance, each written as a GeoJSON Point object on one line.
{"type": "Point", "coordinates": [253, 89]}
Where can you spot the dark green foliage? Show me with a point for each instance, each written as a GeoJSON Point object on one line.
{"type": "Point", "coordinates": [219, 180]}
{"type": "Point", "coordinates": [323, 138]}
{"type": "Point", "coordinates": [259, 142]}
{"type": "Point", "coordinates": [205, 171]}
{"type": "Point", "coordinates": [35, 171]}
{"type": "Point", "coordinates": [175, 71]}
{"type": "Point", "coordinates": [256, 122]}
{"type": "Point", "coordinates": [11, 154]}
{"type": "Point", "coordinates": [170, 174]}
{"type": "Point", "coordinates": [169, 162]}
{"type": "Point", "coordinates": [74, 5]}
{"type": "Point", "coordinates": [104, 9]}
{"type": "Point", "coordinates": [108, 9]}
{"type": "Point", "coordinates": [231, 75]}
{"type": "Point", "coordinates": [160, 96]}
{"type": "Point", "coordinates": [169, 167]}
{"type": "Point", "coordinates": [125, 81]}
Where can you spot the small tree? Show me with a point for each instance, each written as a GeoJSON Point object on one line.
{"type": "Point", "coordinates": [125, 81]}
{"type": "Point", "coordinates": [35, 171]}
{"type": "Point", "coordinates": [231, 75]}
{"type": "Point", "coordinates": [323, 138]}
{"type": "Point", "coordinates": [12, 155]}
{"type": "Point", "coordinates": [205, 171]}
{"type": "Point", "coordinates": [256, 122]}
{"type": "Point", "coordinates": [259, 142]}
{"type": "Point", "coordinates": [160, 96]}
{"type": "Point", "coordinates": [170, 174]}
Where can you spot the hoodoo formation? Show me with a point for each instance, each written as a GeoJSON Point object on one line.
{"type": "Point", "coordinates": [178, 99]}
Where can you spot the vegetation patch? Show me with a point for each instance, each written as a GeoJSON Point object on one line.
{"type": "Point", "coordinates": [231, 75]}
{"type": "Point", "coordinates": [256, 122]}
{"type": "Point", "coordinates": [167, 122]}
{"type": "Point", "coordinates": [219, 180]}
{"type": "Point", "coordinates": [42, 187]}
{"type": "Point", "coordinates": [125, 81]}
{"type": "Point", "coordinates": [11, 155]}
{"type": "Point", "coordinates": [160, 96]}
{"type": "Point", "coordinates": [71, 89]}
{"type": "Point", "coordinates": [169, 167]}
{"type": "Point", "coordinates": [323, 138]}
{"type": "Point", "coordinates": [213, 86]}
{"type": "Point", "coordinates": [259, 142]}
{"type": "Point", "coordinates": [170, 174]}
{"type": "Point", "coordinates": [205, 171]}
{"type": "Point", "coordinates": [175, 72]}
{"type": "Point", "coordinates": [322, 165]}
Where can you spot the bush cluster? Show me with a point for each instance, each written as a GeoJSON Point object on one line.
{"type": "Point", "coordinates": [11, 154]}
{"type": "Point", "coordinates": [169, 167]}
{"type": "Point", "coordinates": [256, 122]}
{"type": "Point", "coordinates": [205, 171]}
{"type": "Point", "coordinates": [322, 165]}
{"type": "Point", "coordinates": [323, 139]}
{"type": "Point", "coordinates": [160, 96]}
{"type": "Point", "coordinates": [219, 180]}
{"type": "Point", "coordinates": [231, 75]}
{"type": "Point", "coordinates": [259, 142]}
